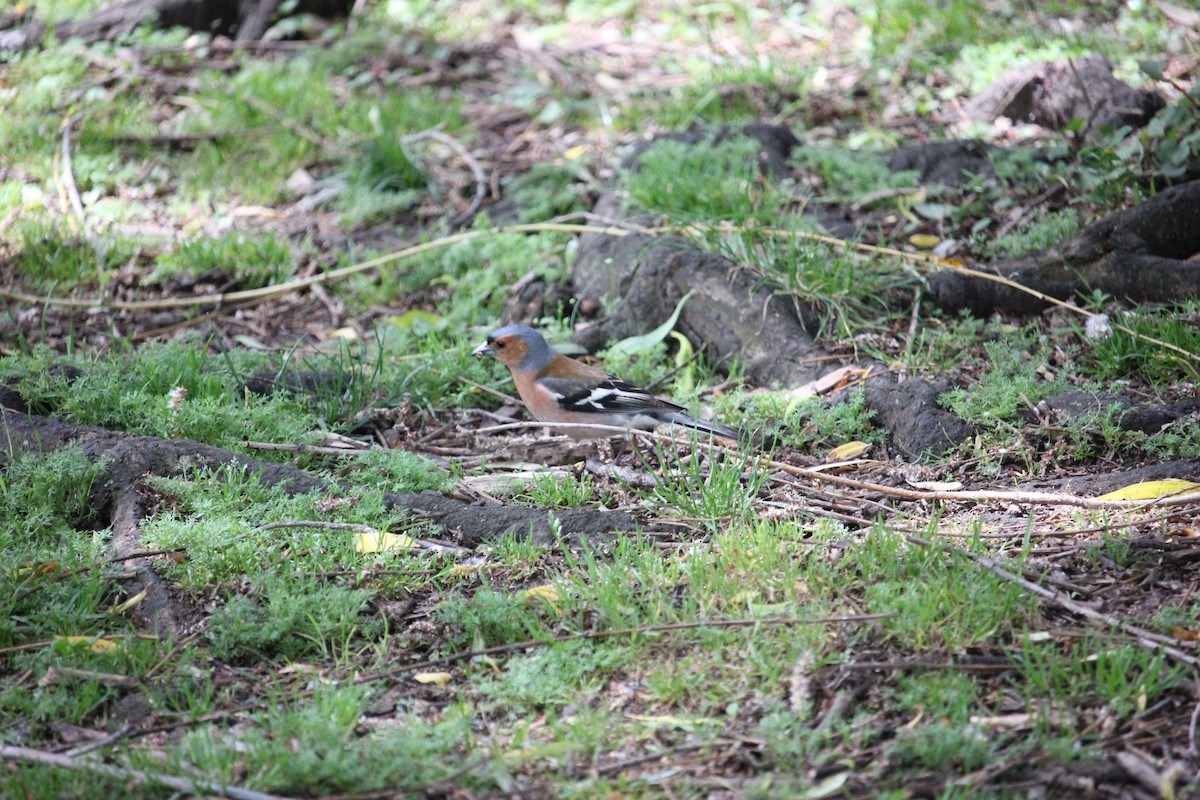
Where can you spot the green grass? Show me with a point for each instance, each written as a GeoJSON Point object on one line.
{"type": "Point", "coordinates": [292, 618]}
{"type": "Point", "coordinates": [548, 491]}
{"type": "Point", "coordinates": [1122, 678]}
{"type": "Point", "coordinates": [308, 117]}
{"type": "Point", "coordinates": [52, 255]}
{"type": "Point", "coordinates": [1035, 234]}
{"type": "Point", "coordinates": [250, 261]}
{"type": "Point", "coordinates": [846, 175]}
{"type": "Point", "coordinates": [706, 489]}
{"type": "Point", "coordinates": [172, 390]}
{"type": "Point", "coordinates": [717, 181]}
{"type": "Point", "coordinates": [312, 746]}
{"type": "Point", "coordinates": [1011, 384]}
{"type": "Point", "coordinates": [940, 616]}
{"type": "Point", "coordinates": [811, 424]}
{"type": "Point", "coordinates": [1126, 355]}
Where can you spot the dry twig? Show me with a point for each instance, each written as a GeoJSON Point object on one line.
{"type": "Point", "coordinates": [1146, 638]}
{"type": "Point", "coordinates": [192, 786]}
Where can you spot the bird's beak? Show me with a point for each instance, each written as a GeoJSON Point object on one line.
{"type": "Point", "coordinates": [483, 350]}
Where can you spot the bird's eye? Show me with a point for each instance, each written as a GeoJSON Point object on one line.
{"type": "Point", "coordinates": [498, 344]}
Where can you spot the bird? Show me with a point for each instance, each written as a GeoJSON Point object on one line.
{"type": "Point", "coordinates": [557, 388]}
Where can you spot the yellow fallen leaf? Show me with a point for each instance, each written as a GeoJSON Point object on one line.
{"type": "Point", "coordinates": [1150, 490]}
{"type": "Point", "coordinates": [96, 645]}
{"type": "Point", "coordinates": [463, 570]}
{"type": "Point", "coordinates": [376, 542]}
{"type": "Point", "coordinates": [924, 241]}
{"type": "Point", "coordinates": [547, 592]}
{"type": "Point", "coordinates": [130, 603]}
{"type": "Point", "coordinates": [436, 678]}
{"type": "Point", "coordinates": [844, 452]}
{"type": "Point", "coordinates": [576, 152]}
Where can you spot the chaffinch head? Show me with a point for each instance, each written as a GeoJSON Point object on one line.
{"type": "Point", "coordinates": [556, 388]}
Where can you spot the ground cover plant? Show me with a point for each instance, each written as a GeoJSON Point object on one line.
{"type": "Point", "coordinates": [268, 529]}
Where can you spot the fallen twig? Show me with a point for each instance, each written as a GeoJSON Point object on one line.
{"type": "Point", "coordinates": [68, 174]}
{"type": "Point", "coordinates": [929, 259]}
{"type": "Point", "coordinates": [1146, 638]}
{"type": "Point", "coordinates": [302, 131]}
{"type": "Point", "coordinates": [481, 179]}
{"type": "Point", "coordinates": [303, 448]}
{"type": "Point", "coordinates": [1032, 498]}
{"type": "Point", "coordinates": [817, 474]}
{"type": "Point", "coordinates": [223, 299]}
{"type": "Point", "coordinates": [195, 786]}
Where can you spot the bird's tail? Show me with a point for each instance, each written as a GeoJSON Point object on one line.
{"type": "Point", "coordinates": [717, 429]}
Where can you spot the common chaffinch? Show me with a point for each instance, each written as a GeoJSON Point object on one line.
{"type": "Point", "coordinates": [556, 388]}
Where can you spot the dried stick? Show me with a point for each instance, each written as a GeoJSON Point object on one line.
{"type": "Point", "coordinates": [816, 474]}
{"type": "Point", "coordinates": [303, 448]}
{"type": "Point", "coordinates": [481, 179]}
{"type": "Point", "coordinates": [68, 174]}
{"type": "Point", "coordinates": [1145, 638]}
{"type": "Point", "coordinates": [193, 786]}
{"type": "Point", "coordinates": [210, 300]}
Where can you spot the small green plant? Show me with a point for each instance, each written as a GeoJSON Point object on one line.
{"type": "Point", "coordinates": [552, 190]}
{"type": "Point", "coordinates": [950, 695]}
{"type": "Point", "coordinates": [942, 746]}
{"type": "Point", "coordinates": [1122, 354]}
{"type": "Point", "coordinates": [762, 569]}
{"type": "Point", "coordinates": [644, 368]}
{"type": "Point", "coordinates": [551, 491]}
{"type": "Point", "coordinates": [467, 283]}
{"type": "Point", "coordinates": [811, 423]}
{"type": "Point", "coordinates": [836, 293]}
{"type": "Point", "coordinates": [247, 261]}
{"type": "Point", "coordinates": [51, 255]}
{"type": "Point", "coordinates": [1035, 234]}
{"type": "Point", "coordinates": [1013, 382]}
{"type": "Point", "coordinates": [1094, 671]}
{"type": "Point", "coordinates": [1173, 134]}
{"type": "Point", "coordinates": [340, 382]}
{"type": "Point", "coordinates": [519, 553]}
{"type": "Point", "coordinates": [47, 496]}
{"type": "Point", "coordinates": [845, 175]}
{"type": "Point", "coordinates": [170, 389]}
{"type": "Point", "coordinates": [1170, 619]}
{"type": "Point", "coordinates": [710, 488]}
{"type": "Point", "coordinates": [291, 622]}
{"type": "Point", "coordinates": [385, 178]}
{"type": "Point", "coordinates": [488, 618]}
{"type": "Point", "coordinates": [314, 747]}
{"type": "Point", "coordinates": [936, 608]}
{"type": "Point", "coordinates": [556, 675]}
{"type": "Point", "coordinates": [714, 181]}
{"type": "Point", "coordinates": [394, 470]}
{"type": "Point", "coordinates": [907, 27]}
